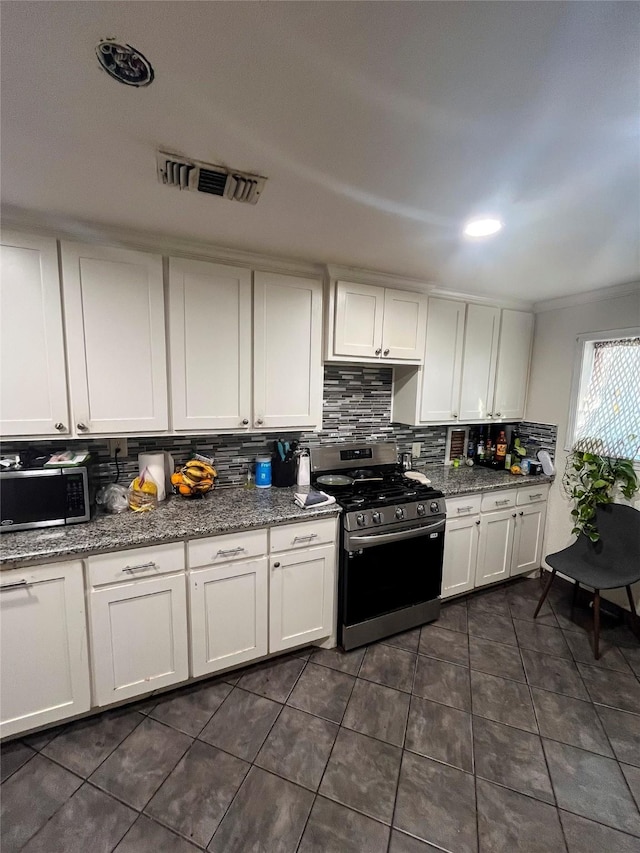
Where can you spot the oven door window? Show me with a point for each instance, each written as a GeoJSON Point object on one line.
{"type": "Point", "coordinates": [389, 577]}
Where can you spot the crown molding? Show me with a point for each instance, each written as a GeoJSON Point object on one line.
{"type": "Point", "coordinates": [602, 294]}
{"type": "Point", "coordinates": [63, 228]}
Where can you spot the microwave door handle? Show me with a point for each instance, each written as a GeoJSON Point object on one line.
{"type": "Point", "coordinates": [371, 539]}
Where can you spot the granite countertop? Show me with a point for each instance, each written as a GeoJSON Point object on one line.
{"type": "Point", "coordinates": [467, 480]}
{"type": "Point", "coordinates": [221, 511]}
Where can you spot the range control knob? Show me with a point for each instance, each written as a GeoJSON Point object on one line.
{"type": "Point", "coordinates": [420, 509]}
{"type": "Point", "coordinates": [375, 517]}
{"type": "Point", "coordinates": [360, 519]}
{"type": "Point", "coordinates": [399, 512]}
{"type": "Point", "coordinates": [434, 506]}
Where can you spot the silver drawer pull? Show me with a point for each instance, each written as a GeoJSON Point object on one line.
{"type": "Point", "coordinates": [465, 508]}
{"type": "Point", "coordinates": [305, 538]}
{"type": "Point", "coordinates": [533, 497]}
{"type": "Point", "coordinates": [140, 568]}
{"type": "Point", "coordinates": [16, 585]}
{"type": "Point", "coordinates": [502, 503]}
{"type": "Point", "coordinates": [229, 551]}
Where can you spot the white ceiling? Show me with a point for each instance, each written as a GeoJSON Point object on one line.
{"type": "Point", "coordinates": [381, 127]}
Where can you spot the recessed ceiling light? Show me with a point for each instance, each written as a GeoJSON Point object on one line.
{"type": "Point", "coordinates": [482, 227]}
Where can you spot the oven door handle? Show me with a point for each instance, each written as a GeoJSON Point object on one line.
{"type": "Point", "coordinates": [370, 539]}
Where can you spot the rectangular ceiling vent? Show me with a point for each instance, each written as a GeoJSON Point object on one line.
{"type": "Point", "coordinates": [185, 174]}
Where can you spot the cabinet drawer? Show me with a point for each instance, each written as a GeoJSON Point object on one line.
{"type": "Point", "coordinates": [233, 546]}
{"type": "Point", "coordinates": [532, 494]}
{"type": "Point", "coordinates": [136, 563]}
{"type": "Point", "coordinates": [319, 531]}
{"type": "Point", "coordinates": [498, 500]}
{"type": "Point", "coordinates": [463, 506]}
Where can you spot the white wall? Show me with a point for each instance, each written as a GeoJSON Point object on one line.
{"type": "Point", "coordinates": [554, 346]}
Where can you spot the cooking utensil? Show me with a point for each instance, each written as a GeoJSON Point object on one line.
{"type": "Point", "coordinates": [335, 480]}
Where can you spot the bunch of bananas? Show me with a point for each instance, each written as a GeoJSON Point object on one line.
{"type": "Point", "coordinates": [194, 478]}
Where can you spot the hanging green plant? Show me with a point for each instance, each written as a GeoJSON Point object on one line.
{"type": "Point", "coordinates": [591, 481]}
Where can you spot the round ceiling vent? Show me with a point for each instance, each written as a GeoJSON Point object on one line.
{"type": "Point", "coordinates": [124, 63]}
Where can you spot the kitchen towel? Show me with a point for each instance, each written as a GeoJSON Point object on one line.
{"type": "Point", "coordinates": [313, 499]}
{"type": "Point", "coordinates": [155, 465]}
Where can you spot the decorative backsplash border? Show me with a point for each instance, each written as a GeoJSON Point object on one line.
{"type": "Point", "coordinates": [356, 406]}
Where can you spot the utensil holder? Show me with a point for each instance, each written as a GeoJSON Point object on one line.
{"type": "Point", "coordinates": [283, 473]}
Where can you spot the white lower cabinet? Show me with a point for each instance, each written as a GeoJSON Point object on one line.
{"type": "Point", "coordinates": [301, 596]}
{"type": "Point", "coordinates": [139, 637]}
{"type": "Point", "coordinates": [497, 530]}
{"type": "Point", "coordinates": [229, 605]}
{"type": "Point", "coordinates": [43, 652]}
{"type": "Point", "coordinates": [460, 555]}
{"type": "Point", "coordinates": [492, 537]}
{"type": "Point", "coordinates": [527, 547]}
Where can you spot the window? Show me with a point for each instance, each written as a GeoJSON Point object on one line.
{"type": "Point", "coordinates": [606, 395]}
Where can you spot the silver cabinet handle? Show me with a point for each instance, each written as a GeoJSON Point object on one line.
{"type": "Point", "coordinates": [16, 585]}
{"type": "Point", "coordinates": [533, 497]}
{"type": "Point", "coordinates": [386, 352]}
{"type": "Point", "coordinates": [489, 414]}
{"type": "Point", "coordinates": [60, 427]}
{"type": "Point", "coordinates": [140, 568]}
{"type": "Point", "coordinates": [454, 415]}
{"type": "Point", "coordinates": [521, 513]}
{"type": "Point", "coordinates": [245, 421]}
{"type": "Point", "coordinates": [502, 503]}
{"type": "Point", "coordinates": [498, 414]}
{"type": "Point", "coordinates": [478, 521]}
{"type": "Point", "coordinates": [465, 508]}
{"type": "Point", "coordinates": [379, 351]}
{"type": "Point", "coordinates": [513, 515]}
{"type": "Point", "coordinates": [305, 538]}
{"type": "Point", "coordinates": [276, 565]}
{"type": "Point", "coordinates": [82, 427]}
{"type": "Point", "coordinates": [227, 552]}
{"type": "Point", "coordinates": [259, 422]}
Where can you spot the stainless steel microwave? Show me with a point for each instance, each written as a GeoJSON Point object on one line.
{"type": "Point", "coordinates": [43, 497]}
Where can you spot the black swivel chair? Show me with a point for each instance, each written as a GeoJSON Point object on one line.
{"type": "Point", "coordinates": [611, 562]}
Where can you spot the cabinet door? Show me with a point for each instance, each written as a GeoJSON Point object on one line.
{"type": "Point", "coordinates": [460, 556]}
{"type": "Point", "coordinates": [527, 548]}
{"type": "Point", "coordinates": [404, 325]}
{"type": "Point", "coordinates": [496, 546]}
{"type": "Point", "coordinates": [114, 304]}
{"type": "Point", "coordinates": [210, 345]}
{"type": "Point", "coordinates": [301, 597]}
{"type": "Point", "coordinates": [479, 363]}
{"type": "Point", "coordinates": [33, 385]}
{"type": "Point", "coordinates": [43, 651]}
{"type": "Point", "coordinates": [287, 356]}
{"type": "Point", "coordinates": [138, 637]}
{"type": "Point", "coordinates": [228, 615]}
{"type": "Point", "coordinates": [359, 311]}
{"type": "Point", "coordinates": [514, 352]}
{"type": "Point", "coordinates": [442, 361]}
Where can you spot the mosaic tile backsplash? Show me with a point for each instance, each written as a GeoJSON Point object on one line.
{"type": "Point", "coordinates": [356, 406]}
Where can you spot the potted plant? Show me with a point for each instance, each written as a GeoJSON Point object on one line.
{"type": "Point", "coordinates": [592, 480]}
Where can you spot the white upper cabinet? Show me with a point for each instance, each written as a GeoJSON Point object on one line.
{"type": "Point", "coordinates": [287, 356]}
{"type": "Point", "coordinates": [403, 329]}
{"type": "Point", "coordinates": [114, 306]}
{"type": "Point", "coordinates": [33, 387]}
{"type": "Point", "coordinates": [514, 353]}
{"type": "Point", "coordinates": [479, 363]}
{"type": "Point", "coordinates": [359, 311]}
{"type": "Point", "coordinates": [442, 361]}
{"type": "Point", "coordinates": [371, 323]}
{"type": "Point", "coordinates": [476, 365]}
{"type": "Point", "coordinates": [209, 345]}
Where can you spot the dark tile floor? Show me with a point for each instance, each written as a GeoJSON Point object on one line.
{"type": "Point", "coordinates": [482, 732]}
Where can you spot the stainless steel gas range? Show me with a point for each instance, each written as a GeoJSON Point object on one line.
{"type": "Point", "coordinates": [392, 541]}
